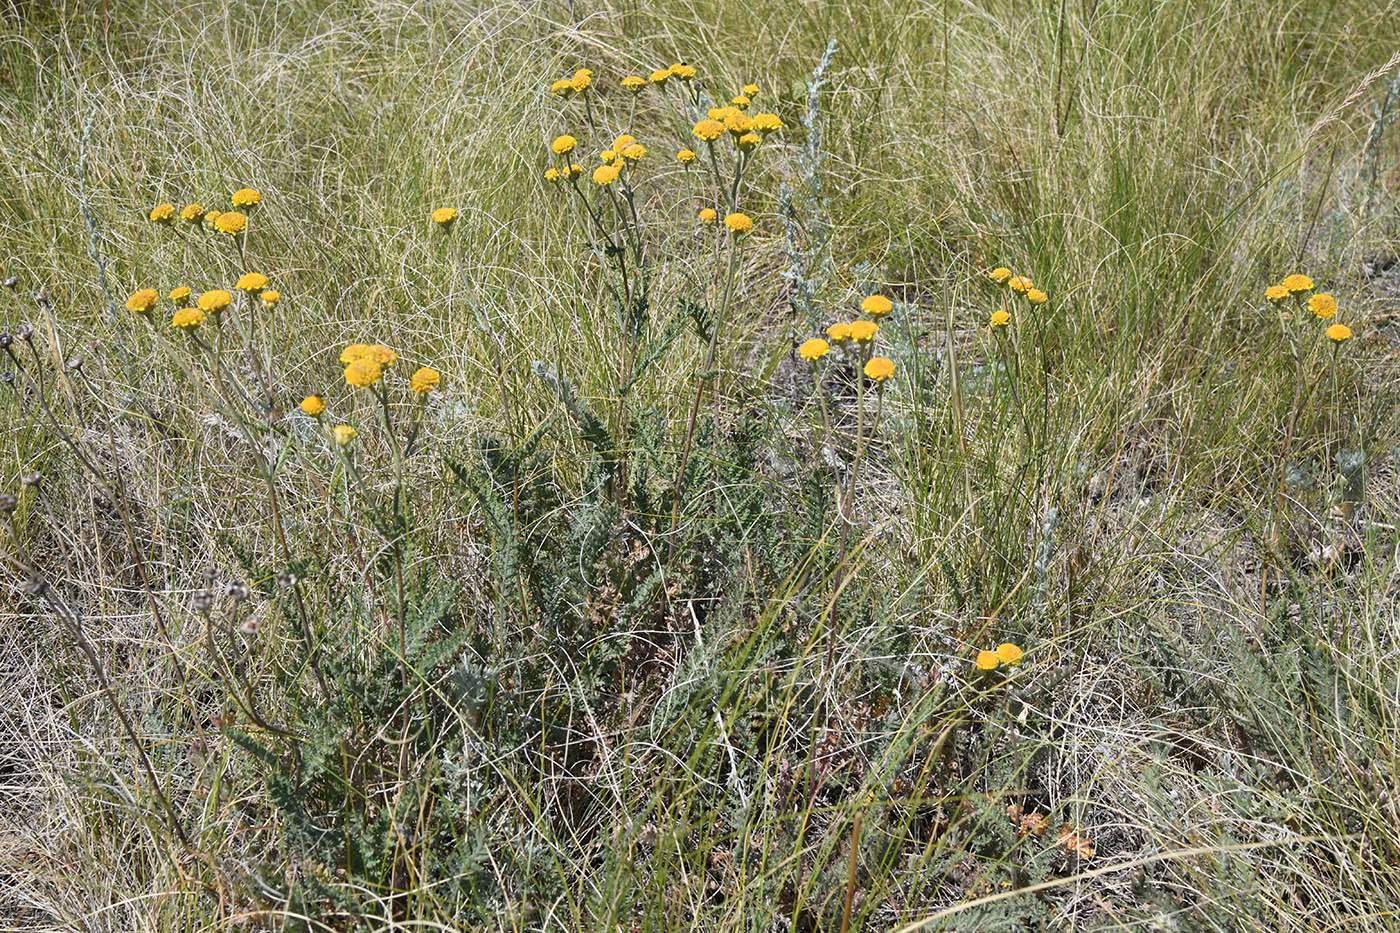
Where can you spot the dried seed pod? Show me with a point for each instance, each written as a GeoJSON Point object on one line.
{"type": "Point", "coordinates": [237, 590]}
{"type": "Point", "coordinates": [7, 503]}
{"type": "Point", "coordinates": [12, 282]}
{"type": "Point", "coordinates": [203, 601]}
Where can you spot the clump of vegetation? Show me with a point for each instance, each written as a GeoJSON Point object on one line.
{"type": "Point", "coordinates": [525, 487]}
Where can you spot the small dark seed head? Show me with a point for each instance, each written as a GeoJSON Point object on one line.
{"type": "Point", "coordinates": [75, 362]}
{"type": "Point", "coordinates": [32, 479]}
{"type": "Point", "coordinates": [7, 377]}
{"type": "Point", "coordinates": [12, 282]}
{"type": "Point", "coordinates": [7, 503]}
{"type": "Point", "coordinates": [5, 341]}
{"type": "Point", "coordinates": [36, 585]}
{"type": "Point", "coordinates": [237, 591]}
{"type": "Point", "coordinates": [24, 332]}
{"type": "Point", "coordinates": [42, 296]}
{"type": "Point", "coordinates": [203, 601]}
{"type": "Point", "coordinates": [286, 579]}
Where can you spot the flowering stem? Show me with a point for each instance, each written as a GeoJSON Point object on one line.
{"type": "Point", "coordinates": [715, 326]}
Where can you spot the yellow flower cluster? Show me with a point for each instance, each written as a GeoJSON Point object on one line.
{"type": "Point", "coordinates": [1007, 653]}
{"type": "Point", "coordinates": [214, 301]}
{"type": "Point", "coordinates": [230, 222]}
{"type": "Point", "coordinates": [142, 301]}
{"type": "Point", "coordinates": [1322, 305]}
{"type": "Point", "coordinates": [568, 87]}
{"type": "Point", "coordinates": [1019, 284]}
{"type": "Point", "coordinates": [444, 217]}
{"type": "Point", "coordinates": [860, 333]}
{"type": "Point", "coordinates": [252, 282]}
{"type": "Point", "coordinates": [187, 319]}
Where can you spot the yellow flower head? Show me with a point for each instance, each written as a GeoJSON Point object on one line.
{"type": "Point", "coordinates": [659, 76]}
{"type": "Point", "coordinates": [245, 197]}
{"type": "Point", "coordinates": [740, 101]}
{"type": "Point", "coordinates": [581, 80]}
{"type": "Point", "coordinates": [344, 434]}
{"type": "Point", "coordinates": [252, 282]}
{"type": "Point", "coordinates": [187, 318]}
{"type": "Point", "coordinates": [178, 295]}
{"type": "Point", "coordinates": [381, 355]}
{"type": "Point", "coordinates": [562, 88]}
{"type": "Point", "coordinates": [231, 222]}
{"type": "Point", "coordinates": [767, 122]}
{"type": "Point", "coordinates": [1323, 305]}
{"type": "Point", "coordinates": [634, 152]}
{"type": "Point", "coordinates": [878, 369]}
{"type": "Point", "coordinates": [1001, 318]}
{"type": "Point", "coordinates": [814, 349]}
{"type": "Point", "coordinates": [313, 405]}
{"type": "Point", "coordinates": [608, 155]}
{"type": "Point", "coordinates": [738, 124]}
{"type": "Point", "coordinates": [634, 83]}
{"type": "Point", "coordinates": [708, 215]}
{"type": "Point", "coordinates": [162, 213]}
{"type": "Point", "coordinates": [215, 300]}
{"type": "Point", "coordinates": [424, 380]}
{"type": "Point", "coordinates": [270, 297]}
{"type": "Point", "coordinates": [574, 170]}
{"type": "Point", "coordinates": [563, 145]}
{"type": "Point", "coordinates": [738, 223]}
{"type": "Point", "coordinates": [839, 332]}
{"type": "Point", "coordinates": [444, 216]}
{"type": "Point", "coordinates": [210, 216]}
{"type": "Point", "coordinates": [750, 90]}
{"type": "Point", "coordinates": [363, 373]}
{"type": "Point", "coordinates": [1036, 297]}
{"type": "Point", "coordinates": [1009, 653]}
{"type": "Point", "coordinates": [999, 275]}
{"type": "Point", "coordinates": [864, 331]}
{"type": "Point", "coordinates": [607, 174]}
{"type": "Point", "coordinates": [1276, 293]}
{"type": "Point", "coordinates": [551, 174]}
{"type": "Point", "coordinates": [987, 660]}
{"type": "Point", "coordinates": [749, 141]}
{"type": "Point", "coordinates": [1338, 333]}
{"type": "Point", "coordinates": [142, 301]}
{"type": "Point", "coordinates": [623, 141]}
{"type": "Point", "coordinates": [192, 213]}
{"type": "Point", "coordinates": [1019, 283]}
{"type": "Point", "coordinates": [356, 351]}
{"type": "Point", "coordinates": [685, 156]}
{"type": "Point", "coordinates": [722, 113]}
{"type": "Point", "coordinates": [684, 72]}
{"type": "Point", "coordinates": [708, 130]}
{"type": "Point", "coordinates": [1296, 283]}
{"type": "Point", "coordinates": [877, 306]}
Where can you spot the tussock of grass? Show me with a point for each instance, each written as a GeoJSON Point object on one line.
{"type": "Point", "coordinates": [547, 704]}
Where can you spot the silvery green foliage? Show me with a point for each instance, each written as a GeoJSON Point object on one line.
{"type": "Point", "coordinates": [1351, 464]}
{"type": "Point", "coordinates": [806, 230]}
